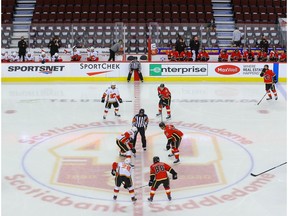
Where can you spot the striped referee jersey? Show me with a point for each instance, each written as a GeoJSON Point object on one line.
{"type": "Point", "coordinates": [140, 121]}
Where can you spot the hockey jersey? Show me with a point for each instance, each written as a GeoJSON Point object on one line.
{"type": "Point", "coordinates": [112, 95]}
{"type": "Point", "coordinates": [164, 93]}
{"type": "Point", "coordinates": [158, 171]}
{"type": "Point", "coordinates": [172, 133]}
{"type": "Point", "coordinates": [122, 169]}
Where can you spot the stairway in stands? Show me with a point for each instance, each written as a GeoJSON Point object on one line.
{"type": "Point", "coordinates": [224, 20]}
{"type": "Point", "coordinates": [22, 20]}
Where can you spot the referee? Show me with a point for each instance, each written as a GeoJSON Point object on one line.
{"type": "Point", "coordinates": [140, 121]}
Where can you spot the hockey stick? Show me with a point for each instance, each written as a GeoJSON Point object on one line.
{"type": "Point", "coordinates": [255, 175]}
{"type": "Point", "coordinates": [262, 99]}
{"type": "Point", "coordinates": [140, 187]}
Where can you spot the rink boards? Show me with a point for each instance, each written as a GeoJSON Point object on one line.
{"type": "Point", "coordinates": [154, 71]}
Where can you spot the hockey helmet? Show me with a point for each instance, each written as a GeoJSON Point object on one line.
{"type": "Point", "coordinates": [56, 54]}
{"type": "Point", "coordinates": [43, 53]}
{"type": "Point", "coordinates": [14, 54]}
{"type": "Point", "coordinates": [266, 66]}
{"type": "Point", "coordinates": [134, 129]}
{"type": "Point", "coordinates": [141, 111]}
{"type": "Point", "coordinates": [113, 85]}
{"type": "Point", "coordinates": [162, 85]}
{"type": "Point", "coordinates": [127, 161]}
{"type": "Point", "coordinates": [162, 125]}
{"type": "Point", "coordinates": [156, 159]}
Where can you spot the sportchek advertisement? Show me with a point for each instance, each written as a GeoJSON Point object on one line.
{"type": "Point", "coordinates": [178, 69]}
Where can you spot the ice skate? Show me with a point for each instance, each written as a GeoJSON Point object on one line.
{"type": "Point", "coordinates": [150, 199]}
{"type": "Point", "coordinates": [269, 98]}
{"type": "Point", "coordinates": [116, 114]}
{"type": "Point", "coordinates": [276, 98]}
{"type": "Point", "coordinates": [114, 197]}
{"type": "Point", "coordinates": [134, 199]}
{"type": "Point", "coordinates": [171, 155]}
{"type": "Point", "coordinates": [168, 117]}
{"type": "Point", "coordinates": [176, 161]}
{"type": "Point", "coordinates": [158, 114]}
{"type": "Point", "coordinates": [104, 117]}
{"type": "Point", "coordinates": [169, 197]}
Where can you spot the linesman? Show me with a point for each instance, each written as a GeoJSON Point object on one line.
{"type": "Point", "coordinates": [140, 121]}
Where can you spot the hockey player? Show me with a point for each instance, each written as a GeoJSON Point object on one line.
{"type": "Point", "coordinates": [165, 100]}
{"type": "Point", "coordinates": [174, 55]}
{"type": "Point", "coordinates": [29, 57]}
{"type": "Point", "coordinates": [158, 176]}
{"type": "Point", "coordinates": [92, 55]}
{"type": "Point", "coordinates": [283, 57]}
{"type": "Point", "coordinates": [125, 143]}
{"type": "Point", "coordinates": [186, 55]}
{"type": "Point", "coordinates": [174, 137]}
{"type": "Point", "coordinates": [262, 56]}
{"type": "Point", "coordinates": [14, 57]}
{"type": "Point", "coordinates": [134, 66]}
{"type": "Point", "coordinates": [43, 58]}
{"type": "Point", "coordinates": [223, 56]}
{"type": "Point", "coordinates": [4, 57]}
{"type": "Point", "coordinates": [75, 54]}
{"type": "Point", "coordinates": [248, 55]}
{"type": "Point", "coordinates": [270, 80]}
{"type": "Point", "coordinates": [236, 55]}
{"type": "Point", "coordinates": [273, 55]}
{"type": "Point", "coordinates": [56, 58]}
{"type": "Point", "coordinates": [140, 121]}
{"type": "Point", "coordinates": [112, 97]}
{"type": "Point", "coordinates": [122, 173]}
{"type": "Point", "coordinates": [203, 55]}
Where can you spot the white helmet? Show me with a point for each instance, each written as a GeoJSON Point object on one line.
{"type": "Point", "coordinates": [14, 54]}
{"type": "Point", "coordinates": [43, 53]}
{"type": "Point", "coordinates": [134, 129]}
{"type": "Point", "coordinates": [127, 161]}
{"type": "Point", "coordinates": [113, 84]}
{"type": "Point", "coordinates": [92, 48]}
{"type": "Point", "coordinates": [56, 54]}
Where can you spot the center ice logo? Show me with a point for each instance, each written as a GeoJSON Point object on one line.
{"type": "Point", "coordinates": [79, 162]}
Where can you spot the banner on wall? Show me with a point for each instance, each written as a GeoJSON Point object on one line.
{"type": "Point", "coordinates": [103, 69]}
{"type": "Point", "coordinates": [178, 70]}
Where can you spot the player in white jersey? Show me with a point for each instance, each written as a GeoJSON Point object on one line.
{"type": "Point", "coordinates": [112, 97]}
{"type": "Point", "coordinates": [5, 57]}
{"type": "Point", "coordinates": [29, 57]}
{"type": "Point", "coordinates": [92, 55]}
{"type": "Point", "coordinates": [43, 57]}
{"type": "Point", "coordinates": [122, 173]}
{"type": "Point", "coordinates": [14, 57]}
{"type": "Point", "coordinates": [75, 54]}
{"type": "Point", "coordinates": [124, 141]}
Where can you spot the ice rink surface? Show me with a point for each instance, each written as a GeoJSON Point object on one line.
{"type": "Point", "coordinates": [57, 150]}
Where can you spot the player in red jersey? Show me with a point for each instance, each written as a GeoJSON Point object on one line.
{"type": "Point", "coordinates": [283, 57]}
{"type": "Point", "coordinates": [269, 80]}
{"type": "Point", "coordinates": [165, 100]}
{"type": "Point", "coordinates": [248, 55]}
{"type": "Point", "coordinates": [262, 56]}
{"type": "Point", "coordinates": [186, 55]}
{"type": "Point", "coordinates": [236, 55]}
{"type": "Point", "coordinates": [122, 173]}
{"type": "Point", "coordinates": [223, 56]}
{"type": "Point", "coordinates": [203, 55]}
{"type": "Point", "coordinates": [273, 55]}
{"type": "Point", "coordinates": [174, 137]}
{"type": "Point", "coordinates": [158, 176]}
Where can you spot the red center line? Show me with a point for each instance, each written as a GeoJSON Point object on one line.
{"type": "Point", "coordinates": [138, 207]}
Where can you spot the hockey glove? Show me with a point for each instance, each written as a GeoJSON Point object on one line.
{"type": "Point", "coordinates": [160, 96]}
{"type": "Point", "coordinates": [168, 147]}
{"type": "Point", "coordinates": [102, 100]}
{"type": "Point", "coordinates": [275, 80]}
{"type": "Point", "coordinates": [133, 150]}
{"type": "Point", "coordinates": [113, 172]}
{"type": "Point", "coordinates": [174, 176]}
{"type": "Point", "coordinates": [150, 183]}
{"type": "Point", "coordinates": [120, 100]}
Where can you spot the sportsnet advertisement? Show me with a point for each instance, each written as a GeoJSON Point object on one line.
{"type": "Point", "coordinates": [102, 69]}
{"type": "Point", "coordinates": [178, 69]}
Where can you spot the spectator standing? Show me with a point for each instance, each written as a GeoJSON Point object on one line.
{"type": "Point", "coordinates": [180, 45]}
{"type": "Point", "coordinates": [122, 173]}
{"type": "Point", "coordinates": [158, 176]}
{"type": "Point", "coordinates": [54, 46]}
{"type": "Point", "coordinates": [236, 37]}
{"type": "Point", "coordinates": [135, 66]}
{"type": "Point", "coordinates": [264, 44]}
{"type": "Point", "coordinates": [140, 121]}
{"type": "Point", "coordinates": [114, 49]}
{"type": "Point", "coordinates": [194, 46]}
{"type": "Point", "coordinates": [22, 45]}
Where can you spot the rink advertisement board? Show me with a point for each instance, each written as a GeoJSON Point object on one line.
{"type": "Point", "coordinates": [154, 71]}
